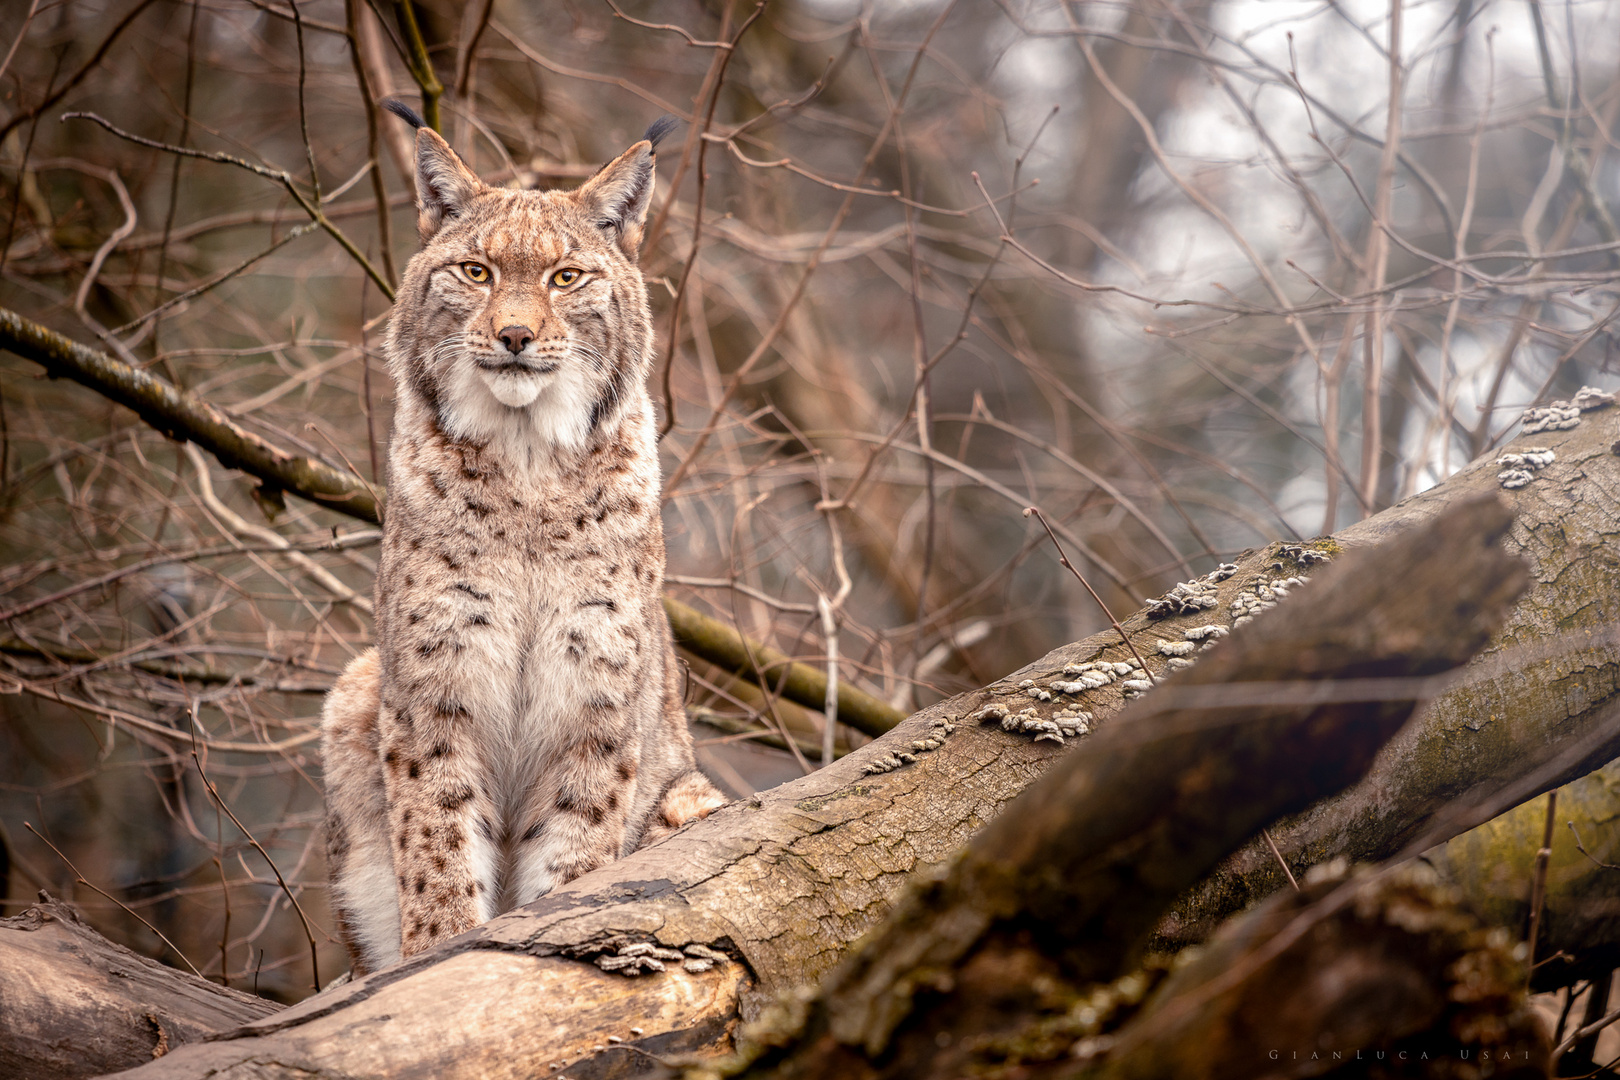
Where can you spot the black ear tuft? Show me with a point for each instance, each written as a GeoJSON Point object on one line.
{"type": "Point", "coordinates": [659, 128]}
{"type": "Point", "coordinates": [404, 112]}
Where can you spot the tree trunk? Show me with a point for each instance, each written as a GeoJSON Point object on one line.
{"type": "Point", "coordinates": [784, 883]}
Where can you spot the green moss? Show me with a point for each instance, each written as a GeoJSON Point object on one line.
{"type": "Point", "coordinates": [1493, 865]}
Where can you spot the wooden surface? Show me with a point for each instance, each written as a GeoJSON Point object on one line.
{"type": "Point", "coordinates": [74, 1004]}
{"type": "Point", "coordinates": [1386, 964]}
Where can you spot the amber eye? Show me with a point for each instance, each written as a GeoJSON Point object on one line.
{"type": "Point", "coordinates": [564, 278]}
{"type": "Point", "coordinates": [477, 273]}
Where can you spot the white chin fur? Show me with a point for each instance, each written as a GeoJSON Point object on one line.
{"type": "Point", "coordinates": [523, 416]}
{"type": "Point", "coordinates": [514, 389]}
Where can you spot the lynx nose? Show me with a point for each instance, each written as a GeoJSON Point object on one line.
{"type": "Point", "coordinates": [515, 338]}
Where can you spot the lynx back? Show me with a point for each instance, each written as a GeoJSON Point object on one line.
{"type": "Point", "coordinates": [519, 722]}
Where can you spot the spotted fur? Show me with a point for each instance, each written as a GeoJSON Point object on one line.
{"type": "Point", "coordinates": [520, 720]}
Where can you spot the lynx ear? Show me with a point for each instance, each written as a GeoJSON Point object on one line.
{"type": "Point", "coordinates": [444, 186]}
{"type": "Point", "coordinates": [617, 197]}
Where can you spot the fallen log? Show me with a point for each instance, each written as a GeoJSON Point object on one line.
{"type": "Point", "coordinates": [1579, 928]}
{"type": "Point", "coordinates": [1539, 700]}
{"type": "Point", "coordinates": [1061, 891]}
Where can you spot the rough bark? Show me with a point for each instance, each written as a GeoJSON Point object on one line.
{"type": "Point", "coordinates": [786, 882]}
{"type": "Point", "coordinates": [74, 1004]}
{"type": "Point", "coordinates": [1061, 890]}
{"type": "Point", "coordinates": [1389, 978]}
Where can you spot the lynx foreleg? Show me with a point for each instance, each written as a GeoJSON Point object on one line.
{"type": "Point", "coordinates": [582, 820]}
{"type": "Point", "coordinates": [364, 900]}
{"type": "Point", "coordinates": [444, 859]}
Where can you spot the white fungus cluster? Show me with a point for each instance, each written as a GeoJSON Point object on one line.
{"type": "Point", "coordinates": [1556, 416]}
{"type": "Point", "coordinates": [1091, 675]}
{"type": "Point", "coordinates": [1563, 415]}
{"type": "Point", "coordinates": [1066, 722]}
{"type": "Point", "coordinates": [1187, 598]}
{"type": "Point", "coordinates": [938, 729]}
{"type": "Point", "coordinates": [1194, 639]}
{"type": "Point", "coordinates": [1039, 693]}
{"type": "Point", "coordinates": [1191, 597]}
{"type": "Point", "coordinates": [702, 958]}
{"type": "Point", "coordinates": [1302, 555]}
{"type": "Point", "coordinates": [1520, 468]}
{"type": "Point", "coordinates": [1590, 397]}
{"type": "Point", "coordinates": [1177, 653]}
{"type": "Point", "coordinates": [1261, 596]}
{"type": "Point", "coordinates": [643, 956]}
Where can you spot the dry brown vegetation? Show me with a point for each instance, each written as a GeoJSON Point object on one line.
{"type": "Point", "coordinates": [1187, 276]}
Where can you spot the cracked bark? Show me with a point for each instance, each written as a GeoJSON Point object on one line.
{"type": "Point", "coordinates": [786, 882]}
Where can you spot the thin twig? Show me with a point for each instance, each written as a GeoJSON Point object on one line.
{"type": "Point", "coordinates": [1272, 844]}
{"type": "Point", "coordinates": [368, 101]}
{"type": "Point", "coordinates": [316, 428]}
{"type": "Point", "coordinates": [314, 962]}
{"type": "Point", "coordinates": [1580, 1033]}
{"type": "Point", "coordinates": [82, 880]}
{"type": "Point", "coordinates": [214, 282]}
{"type": "Point", "coordinates": [722, 61]}
{"type": "Point", "coordinates": [280, 176]}
{"type": "Point", "coordinates": [1538, 885]}
{"type": "Point", "coordinates": [1064, 560]}
{"type": "Point", "coordinates": [1582, 849]}
{"type": "Point", "coordinates": [735, 383]}
{"type": "Point", "coordinates": [90, 65]}
{"type": "Point", "coordinates": [420, 63]}
{"type": "Point", "coordinates": [464, 65]}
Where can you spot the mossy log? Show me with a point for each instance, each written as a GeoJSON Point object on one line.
{"type": "Point", "coordinates": [1382, 974]}
{"type": "Point", "coordinates": [1540, 703]}
{"type": "Point", "coordinates": [1579, 929]}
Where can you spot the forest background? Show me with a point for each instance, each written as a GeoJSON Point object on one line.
{"type": "Point", "coordinates": [1187, 276]}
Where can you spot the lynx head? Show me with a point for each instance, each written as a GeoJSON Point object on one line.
{"type": "Point", "coordinates": [523, 320]}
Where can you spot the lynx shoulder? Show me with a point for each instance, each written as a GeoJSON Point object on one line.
{"type": "Point", "coordinates": [520, 720]}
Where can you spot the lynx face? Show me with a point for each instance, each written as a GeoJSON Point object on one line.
{"type": "Point", "coordinates": [523, 318]}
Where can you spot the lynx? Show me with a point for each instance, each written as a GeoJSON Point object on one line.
{"type": "Point", "coordinates": [520, 720]}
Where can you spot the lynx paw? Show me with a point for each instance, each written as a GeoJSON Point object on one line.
{"type": "Point", "coordinates": [689, 798]}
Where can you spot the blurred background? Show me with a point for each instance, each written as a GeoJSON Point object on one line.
{"type": "Point", "coordinates": [1188, 275]}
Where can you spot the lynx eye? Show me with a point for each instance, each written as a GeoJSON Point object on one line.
{"type": "Point", "coordinates": [564, 278]}
{"type": "Point", "coordinates": [477, 273]}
